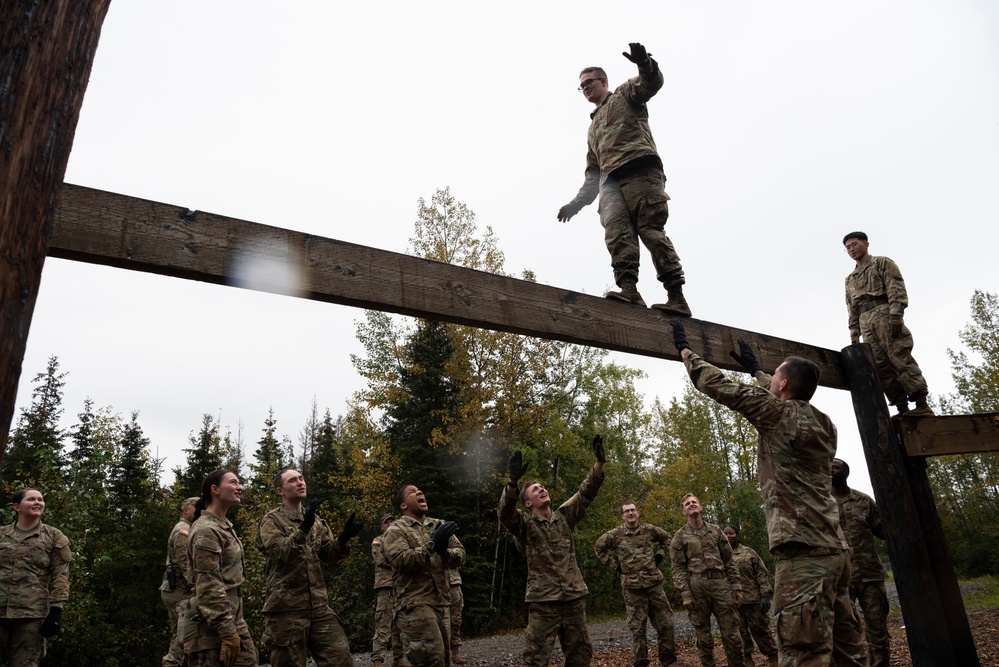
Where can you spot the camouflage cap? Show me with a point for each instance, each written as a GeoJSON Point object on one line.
{"type": "Point", "coordinates": [187, 503]}
{"type": "Point", "coordinates": [386, 517]}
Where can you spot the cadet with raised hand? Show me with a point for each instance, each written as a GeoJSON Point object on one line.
{"type": "Point", "coordinates": [754, 623]}
{"type": "Point", "coordinates": [421, 550]}
{"type": "Point", "coordinates": [815, 620]}
{"type": "Point", "coordinates": [622, 165]}
{"type": "Point", "coordinates": [298, 620]}
{"type": "Point", "coordinates": [556, 602]}
{"type": "Point", "coordinates": [635, 551]}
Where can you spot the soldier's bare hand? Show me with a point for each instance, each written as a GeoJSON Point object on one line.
{"type": "Point", "coordinates": [566, 212]}
{"type": "Point", "coordinates": [638, 54]}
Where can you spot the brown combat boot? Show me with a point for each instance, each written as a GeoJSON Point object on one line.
{"type": "Point", "coordinates": [922, 408]}
{"type": "Point", "coordinates": [628, 294]}
{"type": "Point", "coordinates": [456, 658]}
{"type": "Point", "coordinates": [376, 663]}
{"type": "Point", "coordinates": [676, 304]}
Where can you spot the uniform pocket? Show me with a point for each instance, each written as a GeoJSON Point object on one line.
{"type": "Point", "coordinates": [801, 626]}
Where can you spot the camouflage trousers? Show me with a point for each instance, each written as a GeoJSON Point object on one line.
{"type": "Point", "coordinates": [714, 596]}
{"type": "Point", "coordinates": [457, 605]}
{"type": "Point", "coordinates": [294, 635]}
{"type": "Point", "coordinates": [816, 626]}
{"type": "Point", "coordinates": [873, 599]}
{"type": "Point", "coordinates": [386, 638]}
{"type": "Point", "coordinates": [643, 604]}
{"type": "Point", "coordinates": [898, 372]}
{"type": "Point", "coordinates": [755, 625]}
{"type": "Point", "coordinates": [21, 643]}
{"type": "Point", "coordinates": [202, 642]}
{"type": "Point", "coordinates": [173, 600]}
{"type": "Point", "coordinates": [636, 207]}
{"type": "Point", "coordinates": [425, 632]}
{"type": "Point", "coordinates": [565, 620]}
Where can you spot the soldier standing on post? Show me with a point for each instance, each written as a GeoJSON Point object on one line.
{"type": "Point", "coordinates": [705, 575]}
{"type": "Point", "coordinates": [295, 542]}
{"type": "Point", "coordinates": [635, 550]}
{"type": "Point", "coordinates": [754, 623]}
{"type": "Point", "coordinates": [386, 634]}
{"type": "Point", "coordinates": [876, 299]}
{"type": "Point", "coordinates": [861, 522]}
{"type": "Point", "coordinates": [815, 620]}
{"type": "Point", "coordinates": [177, 586]}
{"type": "Point", "coordinates": [556, 592]}
{"type": "Point", "coordinates": [622, 165]}
{"type": "Point", "coordinates": [421, 550]}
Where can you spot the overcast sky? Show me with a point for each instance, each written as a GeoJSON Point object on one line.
{"type": "Point", "coordinates": [782, 126]}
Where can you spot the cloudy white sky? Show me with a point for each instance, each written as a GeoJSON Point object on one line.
{"type": "Point", "coordinates": [782, 126]}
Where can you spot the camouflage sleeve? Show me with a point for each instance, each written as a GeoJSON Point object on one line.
{"type": "Point", "coordinates": [455, 554]}
{"type": "Point", "coordinates": [874, 521]}
{"type": "Point", "coordinates": [731, 569]}
{"type": "Point", "coordinates": [591, 182]}
{"type": "Point", "coordinates": [179, 555]}
{"type": "Point", "coordinates": [853, 315]}
{"type": "Point", "coordinates": [640, 89]}
{"type": "Point", "coordinates": [604, 549]}
{"type": "Point", "coordinates": [401, 554]}
{"type": "Point", "coordinates": [328, 547]}
{"type": "Point", "coordinates": [279, 543]}
{"type": "Point", "coordinates": [511, 517]}
{"type": "Point", "coordinates": [678, 560]}
{"type": "Point", "coordinates": [898, 299]}
{"type": "Point", "coordinates": [761, 575]}
{"type": "Point", "coordinates": [209, 588]}
{"type": "Point", "coordinates": [574, 509]}
{"type": "Point", "coordinates": [377, 552]}
{"type": "Point", "coordinates": [59, 570]}
{"type": "Point", "coordinates": [758, 405]}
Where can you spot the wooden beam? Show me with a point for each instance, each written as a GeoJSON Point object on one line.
{"type": "Point", "coordinates": [46, 54]}
{"type": "Point", "coordinates": [127, 232]}
{"type": "Point", "coordinates": [949, 434]}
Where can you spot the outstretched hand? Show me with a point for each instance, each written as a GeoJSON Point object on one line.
{"type": "Point", "coordinates": [598, 449]}
{"type": "Point", "coordinates": [309, 516]}
{"type": "Point", "coordinates": [638, 54]}
{"type": "Point", "coordinates": [566, 212]}
{"type": "Point", "coordinates": [516, 468]}
{"type": "Point", "coordinates": [350, 529]}
{"type": "Point", "coordinates": [442, 535]}
{"type": "Point", "coordinates": [679, 336]}
{"type": "Point", "coordinates": [746, 358]}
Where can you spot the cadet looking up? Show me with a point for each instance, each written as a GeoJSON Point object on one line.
{"type": "Point", "coordinates": [796, 448]}
{"type": "Point", "coordinates": [296, 542]}
{"type": "Point", "coordinates": [622, 165]}
{"type": "Point", "coordinates": [386, 633]}
{"type": "Point", "coordinates": [214, 631]}
{"type": "Point", "coordinates": [34, 580]}
{"type": "Point", "coordinates": [635, 550]}
{"type": "Point", "coordinates": [421, 550]}
{"type": "Point", "coordinates": [754, 623]}
{"type": "Point", "coordinates": [706, 576]}
{"type": "Point", "coordinates": [556, 592]}
{"type": "Point", "coordinates": [861, 522]}
{"type": "Point", "coordinates": [177, 586]}
{"type": "Point", "coordinates": [876, 299]}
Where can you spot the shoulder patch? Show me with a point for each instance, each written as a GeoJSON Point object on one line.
{"type": "Point", "coordinates": [184, 531]}
{"type": "Point", "coordinates": [376, 541]}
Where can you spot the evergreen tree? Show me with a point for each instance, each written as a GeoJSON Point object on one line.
{"type": "Point", "coordinates": [34, 455]}
{"type": "Point", "coordinates": [131, 479]}
{"type": "Point", "coordinates": [271, 456]}
{"type": "Point", "coordinates": [203, 456]}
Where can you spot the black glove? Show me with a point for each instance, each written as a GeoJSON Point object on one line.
{"type": "Point", "coordinates": [517, 468]}
{"type": "Point", "coordinates": [638, 54]}
{"type": "Point", "coordinates": [441, 536]}
{"type": "Point", "coordinates": [765, 604]}
{"type": "Point", "coordinates": [895, 326]}
{"type": "Point", "coordinates": [52, 623]}
{"type": "Point", "coordinates": [309, 516]}
{"type": "Point", "coordinates": [567, 211]}
{"type": "Point", "coordinates": [350, 529]}
{"type": "Point", "coordinates": [659, 558]}
{"type": "Point", "coordinates": [598, 449]}
{"type": "Point", "coordinates": [679, 336]}
{"type": "Point", "coordinates": [746, 358]}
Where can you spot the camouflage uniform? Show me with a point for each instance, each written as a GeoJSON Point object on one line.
{"type": "Point", "coordinates": [704, 573]}
{"type": "Point", "coordinates": [874, 293]}
{"type": "Point", "coordinates": [457, 605]}
{"type": "Point", "coordinates": [634, 550]}
{"type": "Point", "coordinates": [176, 557]}
{"type": "Point", "coordinates": [386, 635]}
{"type": "Point", "coordinates": [216, 610]}
{"type": "Point", "coordinates": [34, 576]}
{"type": "Point", "coordinates": [861, 522]}
{"type": "Point", "coordinates": [753, 622]}
{"type": "Point", "coordinates": [556, 603]}
{"type": "Point", "coordinates": [298, 618]}
{"type": "Point", "coordinates": [421, 589]}
{"type": "Point", "coordinates": [815, 620]}
{"type": "Point", "coordinates": [622, 165]}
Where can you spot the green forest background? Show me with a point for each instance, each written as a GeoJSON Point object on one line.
{"type": "Point", "coordinates": [443, 407]}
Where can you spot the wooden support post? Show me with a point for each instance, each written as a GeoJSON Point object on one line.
{"type": "Point", "coordinates": [46, 53]}
{"type": "Point", "coordinates": [925, 619]}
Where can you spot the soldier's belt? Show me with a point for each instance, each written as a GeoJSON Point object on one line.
{"type": "Point", "coordinates": [871, 303]}
{"type": "Point", "coordinates": [710, 574]}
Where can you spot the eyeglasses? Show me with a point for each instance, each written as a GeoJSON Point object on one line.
{"type": "Point", "coordinates": [587, 82]}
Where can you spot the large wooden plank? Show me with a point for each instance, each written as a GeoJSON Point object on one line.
{"type": "Point", "coordinates": [127, 232]}
{"type": "Point", "coordinates": [949, 434]}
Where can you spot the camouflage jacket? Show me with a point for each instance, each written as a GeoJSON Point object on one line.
{"type": "Point", "coordinates": [796, 447]}
{"type": "Point", "coordinates": [861, 522]}
{"type": "Point", "coordinates": [454, 576]}
{"type": "Point", "coordinates": [420, 574]}
{"type": "Point", "coordinates": [294, 561]}
{"type": "Point", "coordinates": [216, 556]}
{"type": "Point", "coordinates": [552, 572]}
{"type": "Point", "coordinates": [879, 277]}
{"type": "Point", "coordinates": [34, 571]}
{"type": "Point", "coordinates": [383, 568]}
{"type": "Point", "coordinates": [177, 555]}
{"type": "Point", "coordinates": [752, 574]}
{"type": "Point", "coordinates": [699, 551]}
{"type": "Point", "coordinates": [634, 551]}
{"type": "Point", "coordinates": [619, 131]}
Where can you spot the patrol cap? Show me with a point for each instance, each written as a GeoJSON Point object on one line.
{"type": "Point", "coordinates": [386, 517]}
{"type": "Point", "coordinates": [190, 501]}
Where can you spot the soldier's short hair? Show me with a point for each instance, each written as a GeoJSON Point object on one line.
{"type": "Point", "coordinates": [400, 495]}
{"type": "Point", "coordinates": [188, 502]}
{"type": "Point", "coordinates": [802, 377]}
{"type": "Point", "coordinates": [626, 503]}
{"type": "Point", "coordinates": [855, 235]}
{"type": "Point", "coordinates": [277, 477]}
{"type": "Point", "coordinates": [19, 496]}
{"type": "Point", "coordinates": [689, 495]}
{"type": "Point", "coordinates": [735, 528]}
{"type": "Point", "coordinates": [599, 71]}
{"type": "Point", "coordinates": [846, 467]}
{"type": "Point", "coordinates": [523, 490]}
